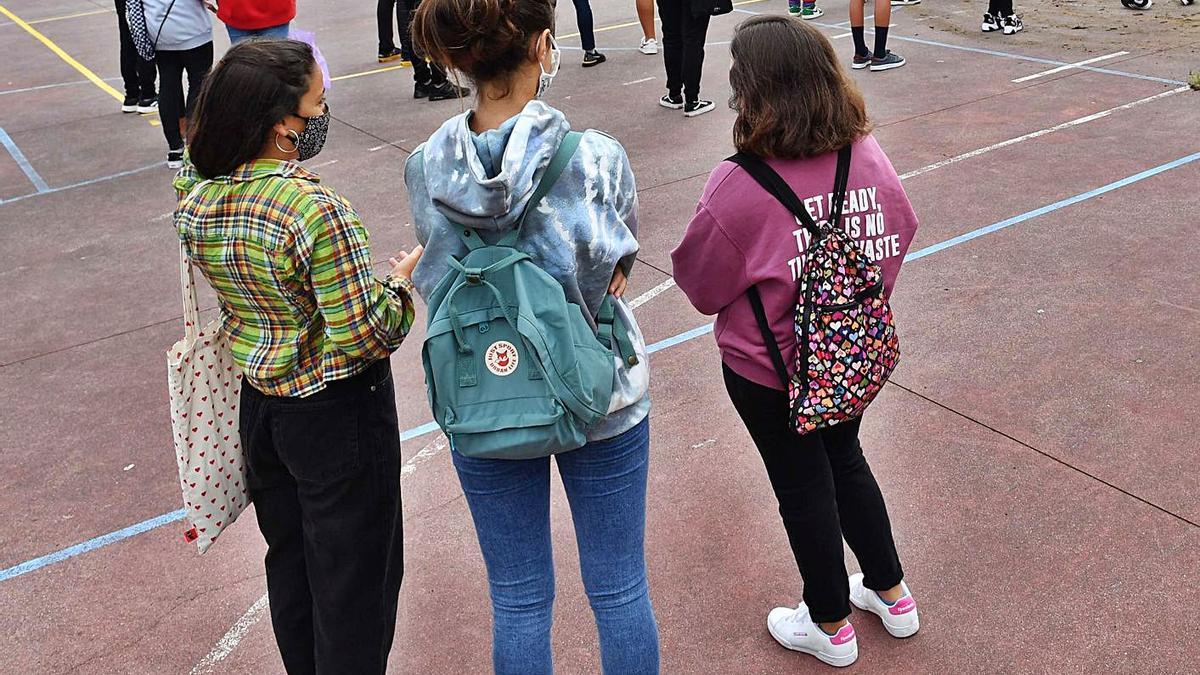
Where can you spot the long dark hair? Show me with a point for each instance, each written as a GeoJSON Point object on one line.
{"type": "Point", "coordinates": [487, 40]}
{"type": "Point", "coordinates": [256, 84]}
{"type": "Point", "coordinates": [792, 97]}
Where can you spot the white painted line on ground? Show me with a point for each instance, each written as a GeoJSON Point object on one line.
{"type": "Point", "coordinates": [232, 637]}
{"type": "Point", "coordinates": [644, 79]}
{"type": "Point", "coordinates": [330, 162]}
{"type": "Point", "coordinates": [1068, 66]}
{"type": "Point", "coordinates": [1049, 130]}
{"type": "Point", "coordinates": [839, 37]}
{"type": "Point", "coordinates": [652, 293]}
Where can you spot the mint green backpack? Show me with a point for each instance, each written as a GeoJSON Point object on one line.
{"type": "Point", "coordinates": [513, 369]}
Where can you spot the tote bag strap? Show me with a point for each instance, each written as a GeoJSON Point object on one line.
{"type": "Point", "coordinates": [187, 282]}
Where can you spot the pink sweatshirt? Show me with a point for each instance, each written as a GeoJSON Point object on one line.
{"type": "Point", "coordinates": [742, 237]}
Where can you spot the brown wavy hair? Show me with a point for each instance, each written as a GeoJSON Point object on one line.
{"type": "Point", "coordinates": [487, 40]}
{"type": "Point", "coordinates": [792, 97]}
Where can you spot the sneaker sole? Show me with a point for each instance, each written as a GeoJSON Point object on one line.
{"type": "Point", "coordinates": [593, 64]}
{"type": "Point", "coordinates": [1013, 32]}
{"type": "Point", "coordinates": [670, 106]}
{"type": "Point", "coordinates": [697, 113]}
{"type": "Point", "coordinates": [129, 109]}
{"type": "Point", "coordinates": [900, 632]}
{"type": "Point", "coordinates": [810, 17]}
{"type": "Point", "coordinates": [859, 66]}
{"type": "Point", "coordinates": [389, 59]}
{"type": "Point", "coordinates": [890, 66]}
{"type": "Point", "coordinates": [835, 661]}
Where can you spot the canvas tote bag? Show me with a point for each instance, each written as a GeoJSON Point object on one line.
{"type": "Point", "coordinates": [205, 384]}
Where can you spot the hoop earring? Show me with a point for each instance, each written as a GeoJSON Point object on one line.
{"type": "Point", "coordinates": [295, 143]}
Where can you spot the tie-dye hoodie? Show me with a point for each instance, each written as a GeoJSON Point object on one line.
{"type": "Point", "coordinates": [584, 228]}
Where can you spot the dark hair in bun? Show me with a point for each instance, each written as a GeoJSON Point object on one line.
{"type": "Point", "coordinates": [487, 40]}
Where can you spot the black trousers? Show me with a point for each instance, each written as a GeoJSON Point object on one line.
{"type": "Point", "coordinates": [826, 491]}
{"type": "Point", "coordinates": [423, 72]}
{"type": "Point", "coordinates": [138, 73]}
{"type": "Point", "coordinates": [324, 476]}
{"type": "Point", "coordinates": [587, 30]}
{"type": "Point", "coordinates": [1000, 7]}
{"type": "Point", "coordinates": [171, 105]}
{"type": "Point", "coordinates": [683, 36]}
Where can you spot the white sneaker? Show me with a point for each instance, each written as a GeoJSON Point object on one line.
{"type": "Point", "coordinates": [795, 630]}
{"type": "Point", "coordinates": [900, 618]}
{"type": "Point", "coordinates": [649, 46]}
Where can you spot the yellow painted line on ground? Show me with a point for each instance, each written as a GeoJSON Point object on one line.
{"type": "Point", "coordinates": [385, 69]}
{"type": "Point", "coordinates": [84, 70]}
{"type": "Point", "coordinates": [638, 23]}
{"type": "Point", "coordinates": [71, 16]}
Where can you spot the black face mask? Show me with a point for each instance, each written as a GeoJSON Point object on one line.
{"type": "Point", "coordinates": [310, 141]}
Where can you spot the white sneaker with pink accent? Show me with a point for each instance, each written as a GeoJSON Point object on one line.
{"type": "Point", "coordinates": [794, 629]}
{"type": "Point", "coordinates": [899, 618]}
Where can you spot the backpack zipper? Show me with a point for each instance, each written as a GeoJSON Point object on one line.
{"type": "Point", "coordinates": [868, 292]}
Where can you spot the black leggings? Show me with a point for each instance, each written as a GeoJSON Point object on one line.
{"type": "Point", "coordinates": [1000, 7]}
{"type": "Point", "coordinates": [683, 35]}
{"type": "Point", "coordinates": [138, 73]}
{"type": "Point", "coordinates": [826, 491]}
{"type": "Point", "coordinates": [171, 105]}
{"type": "Point", "coordinates": [423, 73]}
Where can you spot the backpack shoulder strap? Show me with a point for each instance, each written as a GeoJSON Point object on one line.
{"type": "Point", "coordinates": [840, 184]}
{"type": "Point", "coordinates": [560, 160]}
{"type": "Point", "coordinates": [768, 335]}
{"type": "Point", "coordinates": [774, 184]}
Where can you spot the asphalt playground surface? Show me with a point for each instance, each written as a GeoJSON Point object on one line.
{"type": "Point", "coordinates": [1037, 446]}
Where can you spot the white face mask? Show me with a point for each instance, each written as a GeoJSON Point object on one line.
{"type": "Point", "coordinates": [544, 79]}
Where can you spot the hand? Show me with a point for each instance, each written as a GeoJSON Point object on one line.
{"type": "Point", "coordinates": [211, 5]}
{"type": "Point", "coordinates": [617, 287]}
{"type": "Point", "coordinates": [403, 268]}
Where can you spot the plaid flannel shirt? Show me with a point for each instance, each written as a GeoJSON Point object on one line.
{"type": "Point", "coordinates": [289, 261]}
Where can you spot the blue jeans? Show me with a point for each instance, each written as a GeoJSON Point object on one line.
{"type": "Point", "coordinates": [279, 32]}
{"type": "Point", "coordinates": [510, 503]}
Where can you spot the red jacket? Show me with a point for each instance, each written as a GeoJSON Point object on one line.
{"type": "Point", "coordinates": [255, 14]}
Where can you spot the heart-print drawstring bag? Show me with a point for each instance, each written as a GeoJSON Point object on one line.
{"type": "Point", "coordinates": [205, 385]}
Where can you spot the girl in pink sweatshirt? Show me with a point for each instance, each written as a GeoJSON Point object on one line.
{"type": "Point", "coordinates": [796, 108]}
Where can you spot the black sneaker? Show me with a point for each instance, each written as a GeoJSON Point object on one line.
{"type": "Point", "coordinates": [672, 102]}
{"type": "Point", "coordinates": [446, 91]}
{"type": "Point", "coordinates": [175, 159]}
{"type": "Point", "coordinates": [129, 105]}
{"type": "Point", "coordinates": [392, 54]}
{"type": "Point", "coordinates": [1013, 24]}
{"type": "Point", "coordinates": [695, 108]}
{"type": "Point", "coordinates": [421, 89]}
{"type": "Point", "coordinates": [147, 105]}
{"type": "Point", "coordinates": [593, 58]}
{"type": "Point", "coordinates": [890, 60]}
{"type": "Point", "coordinates": [860, 61]}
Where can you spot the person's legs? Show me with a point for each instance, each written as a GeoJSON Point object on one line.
{"type": "Point", "coordinates": [170, 98]}
{"type": "Point", "coordinates": [129, 59]}
{"type": "Point", "coordinates": [672, 14]}
{"type": "Point", "coordinates": [236, 35]}
{"type": "Point", "coordinates": [861, 509]}
{"type": "Point", "coordinates": [583, 17]}
{"type": "Point", "coordinates": [803, 482]}
{"type": "Point", "coordinates": [342, 447]}
{"type": "Point", "coordinates": [606, 486]}
{"type": "Point", "coordinates": [424, 73]}
{"type": "Point", "coordinates": [510, 505]}
{"type": "Point", "coordinates": [383, 21]}
{"type": "Point", "coordinates": [883, 20]}
{"type": "Point", "coordinates": [279, 32]}
{"type": "Point", "coordinates": [277, 508]}
{"type": "Point", "coordinates": [645, 12]}
{"type": "Point", "coordinates": [197, 63]}
{"type": "Point", "coordinates": [694, 35]}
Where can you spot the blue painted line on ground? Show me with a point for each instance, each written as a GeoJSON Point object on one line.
{"type": "Point", "coordinates": [429, 427]}
{"type": "Point", "coordinates": [90, 545]}
{"type": "Point", "coordinates": [90, 181]}
{"type": "Point", "coordinates": [53, 86]}
{"type": "Point", "coordinates": [23, 162]}
{"type": "Point", "coordinates": [1049, 208]}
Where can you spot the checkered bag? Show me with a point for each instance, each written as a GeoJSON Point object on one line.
{"type": "Point", "coordinates": [844, 325]}
{"type": "Point", "coordinates": [205, 385]}
{"type": "Point", "coordinates": [135, 16]}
